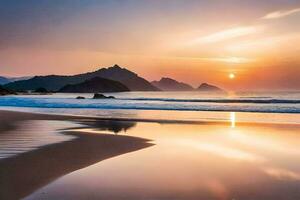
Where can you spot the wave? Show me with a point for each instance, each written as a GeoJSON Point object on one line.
{"type": "Point", "coordinates": [226, 105]}
{"type": "Point", "coordinates": [258, 101]}
{"type": "Point", "coordinates": [161, 107]}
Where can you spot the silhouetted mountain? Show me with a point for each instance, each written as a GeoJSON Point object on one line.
{"type": "Point", "coordinates": [168, 84]}
{"type": "Point", "coordinates": [95, 85]}
{"type": "Point", "coordinates": [5, 80]}
{"type": "Point", "coordinates": [4, 91]}
{"type": "Point", "coordinates": [56, 82]}
{"type": "Point", "coordinates": [204, 87]}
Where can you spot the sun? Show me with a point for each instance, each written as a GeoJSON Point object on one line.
{"type": "Point", "coordinates": [231, 75]}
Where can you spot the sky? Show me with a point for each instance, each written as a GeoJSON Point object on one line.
{"type": "Point", "coordinates": [193, 41]}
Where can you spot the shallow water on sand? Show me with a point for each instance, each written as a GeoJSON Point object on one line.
{"type": "Point", "coordinates": [222, 161]}
{"type": "Point", "coordinates": [30, 135]}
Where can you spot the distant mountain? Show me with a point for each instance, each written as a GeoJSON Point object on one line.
{"type": "Point", "coordinates": [204, 87]}
{"type": "Point", "coordinates": [56, 82]}
{"type": "Point", "coordinates": [168, 84]}
{"type": "Point", "coordinates": [12, 79]}
{"type": "Point", "coordinates": [5, 80]}
{"type": "Point", "coordinates": [4, 91]}
{"type": "Point", "coordinates": [95, 85]}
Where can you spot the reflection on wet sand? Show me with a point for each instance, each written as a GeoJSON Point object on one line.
{"type": "Point", "coordinates": [23, 174]}
{"type": "Point", "coordinates": [108, 125]}
{"type": "Point", "coordinates": [189, 161]}
{"type": "Point", "coordinates": [213, 161]}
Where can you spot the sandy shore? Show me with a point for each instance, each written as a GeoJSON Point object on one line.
{"type": "Point", "coordinates": [23, 174]}
{"type": "Point", "coordinates": [190, 160]}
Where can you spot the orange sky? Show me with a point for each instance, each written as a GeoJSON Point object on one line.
{"type": "Point", "coordinates": [193, 42]}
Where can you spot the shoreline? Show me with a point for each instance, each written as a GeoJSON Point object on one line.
{"type": "Point", "coordinates": [247, 115]}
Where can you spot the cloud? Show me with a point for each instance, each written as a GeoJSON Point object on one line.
{"type": "Point", "coordinates": [228, 34]}
{"type": "Point", "coordinates": [280, 14]}
{"type": "Point", "coordinates": [236, 60]}
{"type": "Point", "coordinates": [264, 44]}
{"type": "Point", "coordinates": [282, 174]}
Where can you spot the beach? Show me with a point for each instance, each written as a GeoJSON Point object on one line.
{"type": "Point", "coordinates": [149, 100]}
{"type": "Point", "coordinates": [97, 158]}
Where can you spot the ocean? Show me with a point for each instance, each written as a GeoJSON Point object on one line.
{"type": "Point", "coordinates": [162, 145]}
{"type": "Point", "coordinates": [262, 102]}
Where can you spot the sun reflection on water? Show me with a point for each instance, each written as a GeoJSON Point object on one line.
{"type": "Point", "coordinates": [232, 119]}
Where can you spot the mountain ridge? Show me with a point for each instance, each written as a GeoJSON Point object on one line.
{"type": "Point", "coordinates": [56, 82]}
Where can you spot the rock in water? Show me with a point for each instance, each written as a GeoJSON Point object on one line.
{"type": "Point", "coordinates": [101, 96]}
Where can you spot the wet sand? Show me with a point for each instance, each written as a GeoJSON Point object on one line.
{"type": "Point", "coordinates": [23, 174]}
{"type": "Point", "coordinates": [189, 161]}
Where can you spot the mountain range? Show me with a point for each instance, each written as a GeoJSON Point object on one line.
{"type": "Point", "coordinates": [56, 82]}
{"type": "Point", "coordinates": [111, 79]}
{"type": "Point", "coordinates": [168, 84]}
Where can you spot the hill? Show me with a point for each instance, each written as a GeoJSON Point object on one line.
{"type": "Point", "coordinates": [4, 91]}
{"type": "Point", "coordinates": [204, 87]}
{"type": "Point", "coordinates": [95, 85]}
{"type": "Point", "coordinates": [56, 82]}
{"type": "Point", "coordinates": [168, 84]}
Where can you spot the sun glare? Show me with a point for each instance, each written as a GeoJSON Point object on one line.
{"type": "Point", "coordinates": [231, 75]}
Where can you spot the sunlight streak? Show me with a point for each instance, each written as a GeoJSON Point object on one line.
{"type": "Point", "coordinates": [228, 34]}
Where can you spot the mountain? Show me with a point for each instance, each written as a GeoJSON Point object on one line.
{"type": "Point", "coordinates": [5, 80]}
{"type": "Point", "coordinates": [204, 87]}
{"type": "Point", "coordinates": [95, 85]}
{"type": "Point", "coordinates": [4, 91]}
{"type": "Point", "coordinates": [168, 84]}
{"type": "Point", "coordinates": [56, 82]}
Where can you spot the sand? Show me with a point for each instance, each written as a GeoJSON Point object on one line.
{"type": "Point", "coordinates": [23, 174]}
